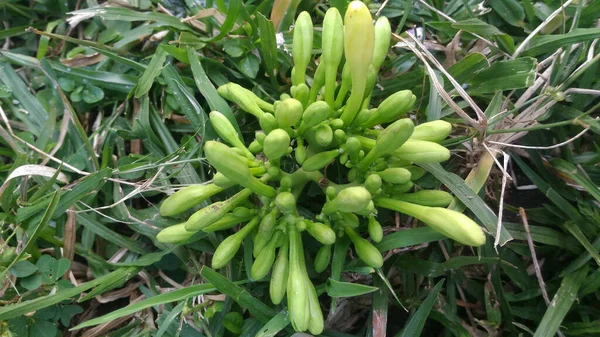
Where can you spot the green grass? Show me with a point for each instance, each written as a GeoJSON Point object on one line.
{"type": "Point", "coordinates": [110, 112]}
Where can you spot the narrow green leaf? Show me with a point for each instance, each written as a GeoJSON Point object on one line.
{"type": "Point", "coordinates": [151, 73]}
{"type": "Point", "coordinates": [417, 321]}
{"type": "Point", "coordinates": [261, 311]}
{"type": "Point", "coordinates": [476, 26]}
{"type": "Point", "coordinates": [207, 89]}
{"type": "Point", "coordinates": [433, 269]}
{"type": "Point", "coordinates": [233, 11]}
{"type": "Point", "coordinates": [408, 237]}
{"type": "Point", "coordinates": [509, 10]}
{"type": "Point", "coordinates": [20, 309]}
{"type": "Point", "coordinates": [504, 75]}
{"type": "Point", "coordinates": [268, 46]}
{"type": "Point", "coordinates": [347, 289]}
{"type": "Point", "coordinates": [188, 104]}
{"type": "Point", "coordinates": [172, 296]}
{"type": "Point", "coordinates": [561, 303]}
{"type": "Point", "coordinates": [109, 235]}
{"type": "Point", "coordinates": [469, 198]}
{"type": "Point", "coordinates": [467, 67]}
{"type": "Point", "coordinates": [126, 14]}
{"type": "Point", "coordinates": [275, 325]}
{"type": "Point", "coordinates": [578, 234]}
{"type": "Point", "coordinates": [549, 43]}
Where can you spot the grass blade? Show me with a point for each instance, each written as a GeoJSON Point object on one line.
{"type": "Point", "coordinates": [469, 198]}
{"type": "Point", "coordinates": [417, 321]}
{"type": "Point", "coordinates": [561, 303]}
{"type": "Point", "coordinates": [172, 296]}
{"type": "Point", "coordinates": [257, 308]}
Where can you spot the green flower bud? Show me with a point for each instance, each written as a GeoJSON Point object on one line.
{"type": "Point", "coordinates": [373, 183]}
{"type": "Point", "coordinates": [322, 259]}
{"type": "Point", "coordinates": [389, 140]}
{"type": "Point", "coordinates": [264, 261]}
{"type": "Point", "coordinates": [434, 131]}
{"type": "Point", "coordinates": [365, 250]}
{"type": "Point", "coordinates": [226, 131]}
{"type": "Point", "coordinates": [321, 232]}
{"type": "Point", "coordinates": [323, 135]}
{"type": "Point", "coordinates": [255, 147]}
{"type": "Point", "coordinates": [383, 34]}
{"type": "Point", "coordinates": [333, 49]}
{"type": "Point", "coordinates": [227, 162]}
{"type": "Point", "coordinates": [302, 93]}
{"type": "Point", "coordinates": [268, 223]}
{"type": "Point", "coordinates": [286, 203]}
{"type": "Point", "coordinates": [344, 87]}
{"type": "Point", "coordinates": [260, 137]}
{"type": "Point", "coordinates": [391, 109]}
{"type": "Point", "coordinates": [211, 213]}
{"type": "Point", "coordinates": [317, 84]}
{"type": "Point", "coordinates": [187, 198]}
{"type": "Point", "coordinates": [339, 136]}
{"type": "Point", "coordinates": [276, 144]}
{"type": "Point", "coordinates": [432, 198]}
{"type": "Point", "coordinates": [316, 323]}
{"type": "Point", "coordinates": [297, 290]}
{"type": "Point", "coordinates": [421, 151]}
{"type": "Point", "coordinates": [401, 188]}
{"type": "Point", "coordinates": [228, 221]}
{"type": "Point", "coordinates": [351, 199]}
{"type": "Point", "coordinates": [279, 276]}
{"type": "Point", "coordinates": [313, 115]}
{"type": "Point", "coordinates": [353, 148]}
{"type": "Point", "coordinates": [244, 98]}
{"type": "Point", "coordinates": [359, 38]}
{"type": "Point", "coordinates": [267, 122]}
{"type": "Point", "coordinates": [337, 123]}
{"type": "Point", "coordinates": [398, 162]}
{"type": "Point", "coordinates": [452, 224]}
{"type": "Point", "coordinates": [302, 46]}
{"type": "Point", "coordinates": [300, 151]}
{"type": "Point", "coordinates": [289, 112]}
{"type": "Point", "coordinates": [174, 234]}
{"type": "Point", "coordinates": [375, 230]}
{"type": "Point", "coordinates": [228, 247]}
{"type": "Point", "coordinates": [320, 160]}
{"type": "Point", "coordinates": [395, 175]}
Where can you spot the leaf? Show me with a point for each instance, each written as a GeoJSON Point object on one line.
{"type": "Point", "coordinates": [23, 269]}
{"type": "Point", "coordinates": [476, 26]}
{"type": "Point", "coordinates": [509, 10]}
{"type": "Point", "coordinates": [125, 14]}
{"type": "Point", "coordinates": [169, 297]}
{"type": "Point", "coordinates": [275, 325]}
{"type": "Point", "coordinates": [67, 312]}
{"type": "Point", "coordinates": [189, 106]}
{"type": "Point", "coordinates": [92, 94]}
{"type": "Point", "coordinates": [31, 282]}
{"type": "Point", "coordinates": [504, 75]}
{"type": "Point", "coordinates": [268, 46]}
{"type": "Point", "coordinates": [43, 328]}
{"type": "Point", "coordinates": [257, 308]}
{"type": "Point", "coordinates": [47, 267]}
{"type": "Point", "coordinates": [578, 234]}
{"type": "Point", "coordinates": [561, 303]}
{"type": "Point", "coordinates": [233, 322]}
{"type": "Point", "coordinates": [417, 321]}
{"type": "Point", "coordinates": [207, 89]}
{"type": "Point", "coordinates": [550, 43]}
{"type": "Point", "coordinates": [152, 71]}
{"type": "Point", "coordinates": [283, 13]}
{"type": "Point", "coordinates": [22, 308]}
{"type": "Point", "coordinates": [433, 269]}
{"type": "Point", "coordinates": [249, 65]}
{"type": "Point", "coordinates": [578, 175]}
{"type": "Point", "coordinates": [467, 67]}
{"type": "Point", "coordinates": [408, 237]}
{"type": "Point", "coordinates": [233, 11]}
{"type": "Point", "coordinates": [346, 289]}
{"type": "Point", "coordinates": [469, 198]}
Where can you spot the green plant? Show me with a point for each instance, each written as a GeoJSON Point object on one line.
{"type": "Point", "coordinates": [315, 135]}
